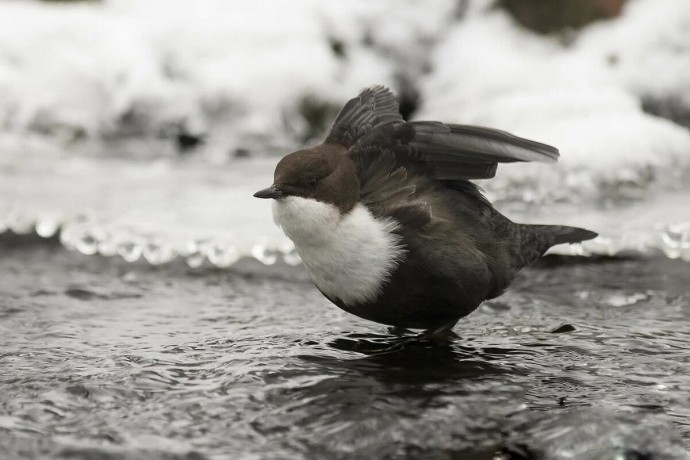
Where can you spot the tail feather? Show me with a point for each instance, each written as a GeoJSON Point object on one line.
{"type": "Point", "coordinates": [564, 234]}
{"type": "Point", "coordinates": [535, 240]}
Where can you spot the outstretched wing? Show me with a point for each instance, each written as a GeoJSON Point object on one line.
{"type": "Point", "coordinates": [468, 152]}
{"type": "Point", "coordinates": [395, 158]}
{"type": "Point", "coordinates": [372, 108]}
{"type": "Point", "coordinates": [439, 150]}
{"type": "Point", "coordinates": [451, 152]}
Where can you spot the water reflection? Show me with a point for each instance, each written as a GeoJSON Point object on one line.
{"type": "Point", "coordinates": [412, 362]}
{"type": "Point", "coordinates": [421, 397]}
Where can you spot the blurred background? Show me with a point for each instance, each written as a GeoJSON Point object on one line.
{"type": "Point", "coordinates": [150, 308]}
{"type": "Point", "coordinates": [142, 128]}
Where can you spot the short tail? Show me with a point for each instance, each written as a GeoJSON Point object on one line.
{"type": "Point", "coordinates": [564, 234]}
{"type": "Point", "coordinates": [535, 240]}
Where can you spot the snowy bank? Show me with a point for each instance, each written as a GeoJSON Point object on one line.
{"type": "Point", "coordinates": [586, 97]}
{"type": "Point", "coordinates": [242, 75]}
{"type": "Point", "coordinates": [265, 77]}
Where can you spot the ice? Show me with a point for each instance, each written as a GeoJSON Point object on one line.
{"type": "Point", "coordinates": [164, 211]}
{"type": "Point", "coordinates": [160, 210]}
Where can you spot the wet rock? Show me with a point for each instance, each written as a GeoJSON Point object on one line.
{"type": "Point", "coordinates": [670, 108]}
{"type": "Point", "coordinates": [86, 294]}
{"type": "Point", "coordinates": [81, 294]}
{"type": "Point", "coordinates": [78, 390]}
{"type": "Point", "coordinates": [565, 327]}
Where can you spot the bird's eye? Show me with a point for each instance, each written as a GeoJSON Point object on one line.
{"type": "Point", "coordinates": [311, 181]}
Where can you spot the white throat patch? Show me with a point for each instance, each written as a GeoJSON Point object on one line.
{"type": "Point", "coordinates": [348, 257]}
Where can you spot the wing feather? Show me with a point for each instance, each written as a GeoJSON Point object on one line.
{"type": "Point", "coordinates": [393, 156]}
{"type": "Point", "coordinates": [475, 144]}
{"type": "Point", "coordinates": [372, 108]}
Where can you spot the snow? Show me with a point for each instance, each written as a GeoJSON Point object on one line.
{"type": "Point", "coordinates": [76, 75]}
{"type": "Point", "coordinates": [238, 71]}
{"type": "Point", "coordinates": [585, 98]}
{"type": "Point", "coordinates": [234, 70]}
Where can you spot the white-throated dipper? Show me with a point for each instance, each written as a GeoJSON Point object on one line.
{"type": "Point", "coordinates": [388, 225]}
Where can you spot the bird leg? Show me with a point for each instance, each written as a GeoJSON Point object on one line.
{"type": "Point", "coordinates": [442, 333]}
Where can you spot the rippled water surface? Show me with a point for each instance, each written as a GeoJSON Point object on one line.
{"type": "Point", "coordinates": [102, 359]}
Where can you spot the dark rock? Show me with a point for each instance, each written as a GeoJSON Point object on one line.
{"type": "Point", "coordinates": [546, 16]}
{"type": "Point", "coordinates": [81, 294]}
{"type": "Point", "coordinates": [78, 390]}
{"type": "Point", "coordinates": [338, 47]}
{"type": "Point", "coordinates": [187, 142]}
{"type": "Point", "coordinates": [241, 153]}
{"type": "Point", "coordinates": [670, 108]}
{"type": "Point", "coordinates": [318, 115]}
{"type": "Point", "coordinates": [565, 327]}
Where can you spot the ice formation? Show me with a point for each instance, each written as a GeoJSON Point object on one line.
{"type": "Point", "coordinates": [264, 77]}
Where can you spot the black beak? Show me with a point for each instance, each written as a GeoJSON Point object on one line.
{"type": "Point", "coordinates": [270, 192]}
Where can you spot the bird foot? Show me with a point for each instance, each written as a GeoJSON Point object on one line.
{"type": "Point", "coordinates": [443, 333]}
{"type": "Point", "coordinates": [443, 336]}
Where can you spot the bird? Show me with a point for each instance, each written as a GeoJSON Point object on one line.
{"type": "Point", "coordinates": [390, 227]}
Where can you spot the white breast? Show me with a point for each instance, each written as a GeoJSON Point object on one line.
{"type": "Point", "coordinates": [348, 257]}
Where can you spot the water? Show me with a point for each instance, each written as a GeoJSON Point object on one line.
{"type": "Point", "coordinates": [106, 359]}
